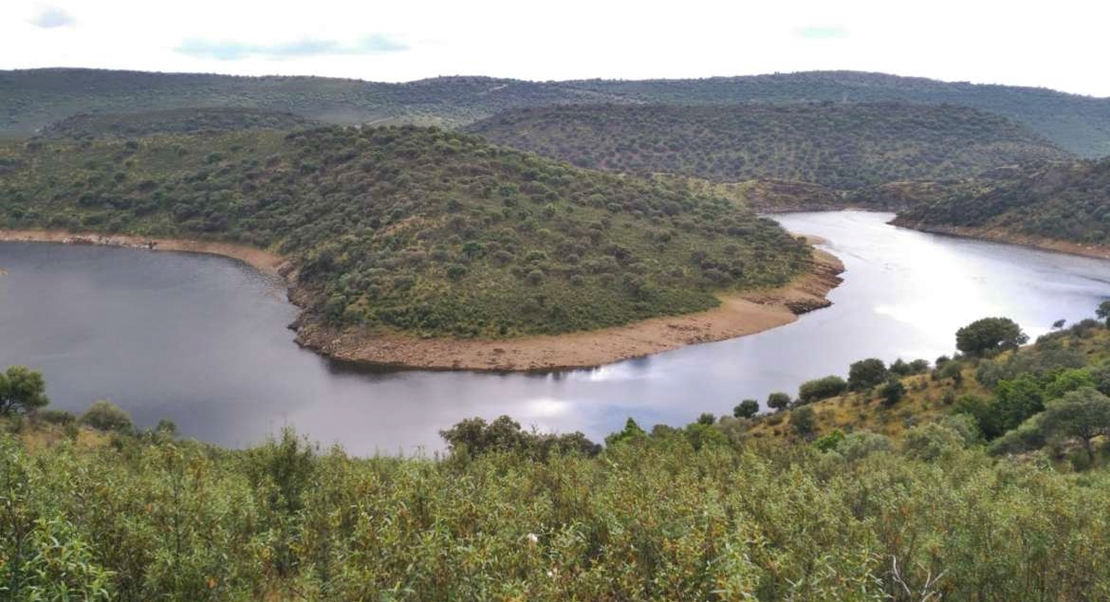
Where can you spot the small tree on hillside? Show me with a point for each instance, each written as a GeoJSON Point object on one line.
{"type": "Point", "coordinates": [21, 390]}
{"type": "Point", "coordinates": [1082, 414]}
{"type": "Point", "coordinates": [778, 401]}
{"type": "Point", "coordinates": [803, 421]}
{"type": "Point", "coordinates": [1103, 311]}
{"type": "Point", "coordinates": [867, 373]}
{"type": "Point", "coordinates": [892, 392]}
{"type": "Point", "coordinates": [746, 409]}
{"type": "Point", "coordinates": [106, 416]}
{"type": "Point", "coordinates": [989, 336]}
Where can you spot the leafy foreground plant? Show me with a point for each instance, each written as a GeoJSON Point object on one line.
{"type": "Point", "coordinates": [650, 518]}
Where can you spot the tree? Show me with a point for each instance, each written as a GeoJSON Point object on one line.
{"type": "Point", "coordinates": [803, 420]}
{"type": "Point", "coordinates": [892, 392]}
{"type": "Point", "coordinates": [21, 390]}
{"type": "Point", "coordinates": [821, 388]}
{"type": "Point", "coordinates": [778, 401]}
{"type": "Point", "coordinates": [707, 418]}
{"type": "Point", "coordinates": [1103, 311]}
{"type": "Point", "coordinates": [989, 336]}
{"type": "Point", "coordinates": [106, 416]}
{"type": "Point", "coordinates": [1083, 414]}
{"type": "Point", "coordinates": [867, 373]}
{"type": "Point", "coordinates": [746, 409]}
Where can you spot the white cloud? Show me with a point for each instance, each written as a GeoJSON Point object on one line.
{"type": "Point", "coordinates": [50, 17]}
{"type": "Point", "coordinates": [1059, 46]}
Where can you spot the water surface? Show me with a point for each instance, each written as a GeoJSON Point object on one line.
{"type": "Point", "coordinates": [202, 340]}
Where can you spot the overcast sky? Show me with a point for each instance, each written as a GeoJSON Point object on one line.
{"type": "Point", "coordinates": [1063, 44]}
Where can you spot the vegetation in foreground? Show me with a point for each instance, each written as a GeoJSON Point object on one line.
{"type": "Point", "coordinates": [717, 510]}
{"type": "Point", "coordinates": [414, 230]}
{"type": "Point", "coordinates": [33, 99]}
{"type": "Point", "coordinates": [841, 146]}
{"type": "Point", "coordinates": [1067, 202]}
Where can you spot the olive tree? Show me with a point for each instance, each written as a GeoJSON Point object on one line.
{"type": "Point", "coordinates": [746, 409]}
{"type": "Point", "coordinates": [989, 336]}
{"type": "Point", "coordinates": [867, 373]}
{"type": "Point", "coordinates": [21, 390]}
{"type": "Point", "coordinates": [1083, 414]}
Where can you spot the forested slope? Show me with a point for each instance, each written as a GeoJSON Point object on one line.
{"type": "Point", "coordinates": [840, 146]}
{"type": "Point", "coordinates": [33, 99]}
{"type": "Point", "coordinates": [1067, 202]}
{"type": "Point", "coordinates": [414, 230]}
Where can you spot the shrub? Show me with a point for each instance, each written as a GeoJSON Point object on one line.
{"type": "Point", "coordinates": [104, 415]}
{"type": "Point", "coordinates": [821, 388]}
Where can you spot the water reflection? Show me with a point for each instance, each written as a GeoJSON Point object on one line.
{"type": "Point", "coordinates": [202, 340]}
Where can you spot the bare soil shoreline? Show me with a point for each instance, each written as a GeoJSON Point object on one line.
{"type": "Point", "coordinates": [1002, 236]}
{"type": "Point", "coordinates": [738, 315]}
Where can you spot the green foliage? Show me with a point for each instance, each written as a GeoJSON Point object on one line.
{"type": "Point", "coordinates": [821, 388]}
{"type": "Point", "coordinates": [931, 441]}
{"type": "Point", "coordinates": [803, 421]}
{"type": "Point", "coordinates": [414, 230]}
{"type": "Point", "coordinates": [747, 408]}
{"type": "Point", "coordinates": [32, 99]}
{"type": "Point", "coordinates": [473, 437]}
{"type": "Point", "coordinates": [867, 373]}
{"type": "Point", "coordinates": [22, 390]}
{"type": "Point", "coordinates": [1103, 311]}
{"type": "Point", "coordinates": [892, 392]}
{"type": "Point", "coordinates": [830, 441]}
{"type": "Point", "coordinates": [989, 336]}
{"type": "Point", "coordinates": [1083, 414]}
{"type": "Point", "coordinates": [841, 146]}
{"type": "Point", "coordinates": [107, 416]}
{"type": "Point", "coordinates": [1058, 201]}
{"type": "Point", "coordinates": [778, 401]}
{"type": "Point", "coordinates": [180, 121]}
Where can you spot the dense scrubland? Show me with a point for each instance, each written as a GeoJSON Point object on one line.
{"type": "Point", "coordinates": [33, 99]}
{"type": "Point", "coordinates": [994, 487]}
{"type": "Point", "coordinates": [1068, 202]}
{"type": "Point", "coordinates": [173, 121]}
{"type": "Point", "coordinates": [841, 146]}
{"type": "Point", "coordinates": [414, 230]}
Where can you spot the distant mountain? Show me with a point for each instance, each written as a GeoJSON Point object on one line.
{"type": "Point", "coordinates": [1067, 202]}
{"type": "Point", "coordinates": [32, 99]}
{"type": "Point", "coordinates": [842, 146]}
{"type": "Point", "coordinates": [170, 121]}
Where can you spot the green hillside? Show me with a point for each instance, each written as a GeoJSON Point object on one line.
{"type": "Point", "coordinates": [173, 121]}
{"type": "Point", "coordinates": [1067, 201]}
{"type": "Point", "coordinates": [836, 145]}
{"type": "Point", "coordinates": [414, 230]}
{"type": "Point", "coordinates": [992, 485]}
{"type": "Point", "coordinates": [33, 99]}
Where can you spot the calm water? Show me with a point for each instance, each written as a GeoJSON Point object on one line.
{"type": "Point", "coordinates": [202, 340]}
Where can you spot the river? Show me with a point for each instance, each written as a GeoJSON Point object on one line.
{"type": "Point", "coordinates": [202, 340]}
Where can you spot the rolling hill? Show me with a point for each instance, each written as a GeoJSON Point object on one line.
{"type": "Point", "coordinates": [842, 146]}
{"type": "Point", "coordinates": [1068, 202]}
{"type": "Point", "coordinates": [33, 99]}
{"type": "Point", "coordinates": [413, 230]}
{"type": "Point", "coordinates": [169, 121]}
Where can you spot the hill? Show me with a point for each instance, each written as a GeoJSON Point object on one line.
{"type": "Point", "coordinates": [1079, 124]}
{"type": "Point", "coordinates": [991, 485]}
{"type": "Point", "coordinates": [412, 230]}
{"type": "Point", "coordinates": [169, 121]}
{"type": "Point", "coordinates": [1057, 203]}
{"type": "Point", "coordinates": [33, 99]}
{"type": "Point", "coordinates": [836, 145]}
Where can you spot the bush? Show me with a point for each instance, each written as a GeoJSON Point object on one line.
{"type": "Point", "coordinates": [867, 373]}
{"type": "Point", "coordinates": [821, 388]}
{"type": "Point", "coordinates": [104, 415]}
{"type": "Point", "coordinates": [892, 392]}
{"type": "Point", "coordinates": [746, 409]}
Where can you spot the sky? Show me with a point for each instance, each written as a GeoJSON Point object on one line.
{"type": "Point", "coordinates": [1061, 44]}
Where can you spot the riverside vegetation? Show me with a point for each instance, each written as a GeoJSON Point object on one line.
{"type": "Point", "coordinates": [1067, 202]}
{"type": "Point", "coordinates": [995, 490]}
{"type": "Point", "coordinates": [840, 146]}
{"type": "Point", "coordinates": [413, 230]}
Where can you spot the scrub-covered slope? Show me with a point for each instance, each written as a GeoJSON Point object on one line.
{"type": "Point", "coordinates": [414, 230]}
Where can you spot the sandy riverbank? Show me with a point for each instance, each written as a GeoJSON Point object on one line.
{"type": "Point", "coordinates": [263, 261]}
{"type": "Point", "coordinates": [1001, 235]}
{"type": "Point", "coordinates": [738, 315]}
